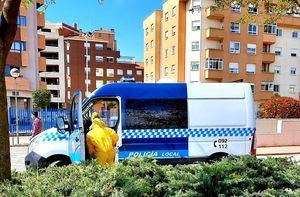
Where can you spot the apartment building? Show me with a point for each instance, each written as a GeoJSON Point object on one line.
{"type": "Point", "coordinates": [24, 55]}
{"type": "Point", "coordinates": [54, 75]}
{"type": "Point", "coordinates": [220, 49]}
{"type": "Point", "coordinates": [92, 60]}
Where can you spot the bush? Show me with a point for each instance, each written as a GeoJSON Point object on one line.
{"type": "Point", "coordinates": [280, 107]}
{"type": "Point", "coordinates": [245, 176]}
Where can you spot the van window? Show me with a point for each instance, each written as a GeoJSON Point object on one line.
{"type": "Point", "coordinates": [156, 114]}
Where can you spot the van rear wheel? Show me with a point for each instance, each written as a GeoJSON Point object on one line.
{"type": "Point", "coordinates": [58, 163]}
{"type": "Point", "coordinates": [216, 157]}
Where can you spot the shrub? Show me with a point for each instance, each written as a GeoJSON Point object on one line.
{"type": "Point", "coordinates": [280, 107]}
{"type": "Point", "coordinates": [245, 176]}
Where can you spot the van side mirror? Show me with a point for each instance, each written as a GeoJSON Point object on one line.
{"type": "Point", "coordinates": [61, 125]}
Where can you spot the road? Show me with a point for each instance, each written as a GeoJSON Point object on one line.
{"type": "Point", "coordinates": [18, 154]}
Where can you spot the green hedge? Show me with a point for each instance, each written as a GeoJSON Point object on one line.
{"type": "Point", "coordinates": [245, 176]}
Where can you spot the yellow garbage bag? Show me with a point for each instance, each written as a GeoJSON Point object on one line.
{"type": "Point", "coordinates": [101, 141]}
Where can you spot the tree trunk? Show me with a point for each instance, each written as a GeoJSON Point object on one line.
{"type": "Point", "coordinates": [8, 28]}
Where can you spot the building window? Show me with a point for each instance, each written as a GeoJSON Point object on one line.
{"type": "Point", "coordinates": [293, 71]}
{"type": "Point", "coordinates": [173, 50]}
{"type": "Point", "coordinates": [99, 83]}
{"type": "Point", "coordinates": [68, 71]}
{"type": "Point", "coordinates": [21, 21]}
{"type": "Point", "coordinates": [195, 66]}
{"type": "Point", "coordinates": [195, 46]}
{"type": "Point", "coordinates": [166, 71]}
{"type": "Point", "coordinates": [173, 69]}
{"type": "Point", "coordinates": [292, 89]}
{"type": "Point", "coordinates": [174, 11]}
{"type": "Point", "coordinates": [265, 68]}
{"type": "Point", "coordinates": [99, 47]}
{"type": "Point", "coordinates": [120, 72]}
{"type": "Point", "coordinates": [252, 9]}
{"type": "Point", "coordinates": [87, 58]}
{"type": "Point", "coordinates": [294, 34]}
{"type": "Point", "coordinates": [110, 59]}
{"type": "Point", "coordinates": [129, 72]}
{"type": "Point", "coordinates": [166, 53]}
{"type": "Point", "coordinates": [152, 76]}
{"type": "Point", "coordinates": [99, 58]}
{"type": "Point", "coordinates": [196, 25]}
{"type": "Point", "coordinates": [139, 72]}
{"type": "Point", "coordinates": [173, 31]}
{"type": "Point", "coordinates": [147, 47]}
{"type": "Point", "coordinates": [68, 46]}
{"type": "Point", "coordinates": [267, 86]}
{"type": "Point", "coordinates": [235, 27]}
{"type": "Point", "coordinates": [278, 51]}
{"type": "Point", "coordinates": [69, 95]}
{"type": "Point", "coordinates": [147, 76]}
{"type": "Point", "coordinates": [166, 16]}
{"type": "Point", "coordinates": [99, 72]}
{"type": "Point", "coordinates": [233, 68]}
{"type": "Point", "coordinates": [276, 88]}
{"type": "Point", "coordinates": [277, 69]}
{"type": "Point", "coordinates": [279, 32]}
{"type": "Point", "coordinates": [68, 58]}
{"type": "Point", "coordinates": [250, 69]}
{"type": "Point", "coordinates": [166, 35]}
{"type": "Point", "coordinates": [235, 6]}
{"type": "Point", "coordinates": [270, 28]}
{"type": "Point", "coordinates": [152, 27]}
{"type": "Point", "coordinates": [147, 61]}
{"type": "Point", "coordinates": [18, 46]}
{"type": "Point", "coordinates": [196, 4]}
{"type": "Point", "coordinates": [147, 31]}
{"type": "Point", "coordinates": [152, 60]}
{"type": "Point", "coordinates": [110, 72]}
{"type": "Point", "coordinates": [252, 29]}
{"type": "Point", "coordinates": [251, 49]}
{"type": "Point", "coordinates": [214, 64]}
{"type": "Point", "coordinates": [152, 43]}
{"type": "Point", "coordinates": [234, 47]}
{"type": "Point", "coordinates": [86, 45]}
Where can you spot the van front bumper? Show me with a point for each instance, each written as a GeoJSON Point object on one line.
{"type": "Point", "coordinates": [33, 159]}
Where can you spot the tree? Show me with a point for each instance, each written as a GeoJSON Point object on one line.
{"type": "Point", "coordinates": [41, 98]}
{"type": "Point", "coordinates": [269, 10]}
{"type": "Point", "coordinates": [280, 107]}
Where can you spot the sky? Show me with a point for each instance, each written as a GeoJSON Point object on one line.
{"type": "Point", "coordinates": [125, 16]}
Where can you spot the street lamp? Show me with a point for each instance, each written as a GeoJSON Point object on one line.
{"type": "Point", "coordinates": [15, 73]}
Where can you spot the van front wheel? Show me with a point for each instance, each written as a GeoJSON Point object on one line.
{"type": "Point", "coordinates": [216, 157]}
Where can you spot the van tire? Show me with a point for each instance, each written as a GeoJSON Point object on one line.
{"type": "Point", "coordinates": [216, 157]}
{"type": "Point", "coordinates": [56, 161]}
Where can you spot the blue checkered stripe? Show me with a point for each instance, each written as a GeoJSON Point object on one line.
{"type": "Point", "coordinates": [185, 133]}
{"type": "Point", "coordinates": [50, 137]}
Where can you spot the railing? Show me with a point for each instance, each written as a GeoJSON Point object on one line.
{"type": "Point", "coordinates": [48, 118]}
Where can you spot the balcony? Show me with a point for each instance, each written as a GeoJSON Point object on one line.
{"type": "Point", "coordinates": [42, 85]}
{"type": "Point", "coordinates": [41, 42]}
{"type": "Point", "coordinates": [42, 64]}
{"type": "Point", "coordinates": [53, 87]}
{"type": "Point", "coordinates": [50, 74]}
{"type": "Point", "coordinates": [18, 59]}
{"type": "Point", "coordinates": [214, 74]}
{"type": "Point", "coordinates": [289, 22]}
{"type": "Point", "coordinates": [40, 20]}
{"type": "Point", "coordinates": [215, 34]}
{"type": "Point", "coordinates": [269, 38]}
{"type": "Point", "coordinates": [213, 14]}
{"type": "Point", "coordinates": [268, 57]}
{"type": "Point", "coordinates": [267, 76]}
{"type": "Point", "coordinates": [22, 34]}
{"type": "Point", "coordinates": [22, 84]}
{"type": "Point", "coordinates": [214, 53]}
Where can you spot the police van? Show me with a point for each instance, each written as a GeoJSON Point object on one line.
{"type": "Point", "coordinates": [173, 123]}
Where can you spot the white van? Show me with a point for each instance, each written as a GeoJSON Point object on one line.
{"type": "Point", "coordinates": [173, 123]}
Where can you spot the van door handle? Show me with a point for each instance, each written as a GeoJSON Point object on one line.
{"type": "Point", "coordinates": [77, 139]}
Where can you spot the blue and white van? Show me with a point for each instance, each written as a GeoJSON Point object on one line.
{"type": "Point", "coordinates": [173, 123]}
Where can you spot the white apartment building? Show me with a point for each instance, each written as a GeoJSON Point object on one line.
{"type": "Point", "coordinates": [55, 68]}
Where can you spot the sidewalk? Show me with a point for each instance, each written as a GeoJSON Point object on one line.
{"type": "Point", "coordinates": [283, 150]}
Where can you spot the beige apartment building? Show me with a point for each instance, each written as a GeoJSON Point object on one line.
{"type": "Point", "coordinates": [212, 46]}
{"type": "Point", "coordinates": [25, 56]}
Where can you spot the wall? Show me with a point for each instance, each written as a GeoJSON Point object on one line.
{"type": "Point", "coordinates": [272, 132]}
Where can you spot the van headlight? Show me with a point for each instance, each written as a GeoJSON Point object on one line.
{"type": "Point", "coordinates": [34, 143]}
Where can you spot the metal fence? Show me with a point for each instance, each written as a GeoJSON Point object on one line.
{"type": "Point", "coordinates": [25, 121]}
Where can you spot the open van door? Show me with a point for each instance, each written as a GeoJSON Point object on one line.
{"type": "Point", "coordinates": [76, 140]}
